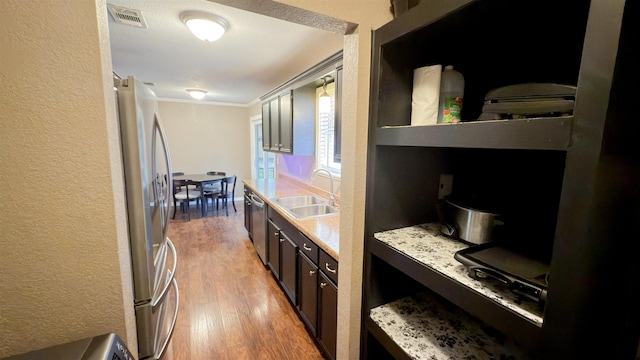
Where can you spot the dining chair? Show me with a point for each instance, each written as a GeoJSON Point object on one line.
{"type": "Point", "coordinates": [225, 194]}
{"type": "Point", "coordinates": [211, 191]}
{"type": "Point", "coordinates": [183, 195]}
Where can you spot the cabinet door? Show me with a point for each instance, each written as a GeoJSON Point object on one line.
{"type": "Point", "coordinates": [327, 315]}
{"type": "Point", "coordinates": [286, 123]}
{"type": "Point", "coordinates": [308, 296]}
{"type": "Point", "coordinates": [288, 266]}
{"type": "Point", "coordinates": [337, 120]}
{"type": "Point", "coordinates": [274, 115]}
{"type": "Point", "coordinates": [266, 127]}
{"type": "Point", "coordinates": [273, 237]}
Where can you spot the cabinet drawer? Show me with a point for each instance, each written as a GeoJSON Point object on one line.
{"type": "Point", "coordinates": [329, 266]}
{"type": "Point", "coordinates": [309, 248]}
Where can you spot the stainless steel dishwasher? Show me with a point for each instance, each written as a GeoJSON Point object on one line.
{"type": "Point", "coordinates": [258, 226]}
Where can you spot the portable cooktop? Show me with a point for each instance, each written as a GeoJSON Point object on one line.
{"type": "Point", "coordinates": [523, 276]}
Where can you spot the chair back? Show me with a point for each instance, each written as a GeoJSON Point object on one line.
{"type": "Point", "coordinates": [231, 180]}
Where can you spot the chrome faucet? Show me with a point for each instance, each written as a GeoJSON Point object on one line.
{"type": "Point", "coordinates": [332, 197]}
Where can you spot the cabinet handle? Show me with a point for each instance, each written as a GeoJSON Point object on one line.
{"type": "Point", "coordinates": [312, 272]}
{"type": "Point", "coordinates": [304, 245]}
{"type": "Point", "coordinates": [281, 240]}
{"type": "Point", "coordinates": [326, 265]}
{"type": "Point", "coordinates": [322, 285]}
{"type": "Point", "coordinates": [276, 234]}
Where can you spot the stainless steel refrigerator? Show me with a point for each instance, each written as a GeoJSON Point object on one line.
{"type": "Point", "coordinates": [148, 187]}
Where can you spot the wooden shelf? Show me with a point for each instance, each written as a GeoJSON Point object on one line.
{"type": "Point", "coordinates": [423, 326]}
{"type": "Point", "coordinates": [427, 257]}
{"type": "Point", "coordinates": [527, 134]}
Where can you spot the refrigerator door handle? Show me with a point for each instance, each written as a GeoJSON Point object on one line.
{"type": "Point", "coordinates": [167, 157]}
{"type": "Point", "coordinates": [172, 273]}
{"type": "Point", "coordinates": [159, 351]}
{"type": "Point", "coordinates": [160, 264]}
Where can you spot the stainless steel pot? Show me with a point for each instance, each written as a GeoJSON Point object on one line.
{"type": "Point", "coordinates": [471, 225]}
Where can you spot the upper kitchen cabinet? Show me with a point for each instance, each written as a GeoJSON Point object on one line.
{"type": "Point", "coordinates": [563, 182]}
{"type": "Point", "coordinates": [289, 111]}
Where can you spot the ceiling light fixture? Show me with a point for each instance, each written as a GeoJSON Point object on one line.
{"type": "Point", "coordinates": [205, 26]}
{"type": "Point", "coordinates": [197, 94]}
{"type": "Point", "coordinates": [324, 103]}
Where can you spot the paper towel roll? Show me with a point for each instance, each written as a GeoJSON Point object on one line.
{"type": "Point", "coordinates": [425, 95]}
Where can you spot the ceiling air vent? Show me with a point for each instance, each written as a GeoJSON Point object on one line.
{"type": "Point", "coordinates": [123, 15]}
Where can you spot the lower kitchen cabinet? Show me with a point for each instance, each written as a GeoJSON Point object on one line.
{"type": "Point", "coordinates": [288, 267]}
{"type": "Point", "coordinates": [308, 297]}
{"type": "Point", "coordinates": [308, 276]}
{"type": "Point", "coordinates": [327, 315]}
{"type": "Point", "coordinates": [273, 239]}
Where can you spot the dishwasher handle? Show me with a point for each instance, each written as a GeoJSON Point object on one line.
{"type": "Point", "coordinates": [257, 201]}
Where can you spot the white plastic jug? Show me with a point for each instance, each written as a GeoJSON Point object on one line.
{"type": "Point", "coordinates": [451, 95]}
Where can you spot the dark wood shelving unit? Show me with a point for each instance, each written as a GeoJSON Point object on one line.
{"type": "Point", "coordinates": [530, 134]}
{"type": "Point", "coordinates": [567, 186]}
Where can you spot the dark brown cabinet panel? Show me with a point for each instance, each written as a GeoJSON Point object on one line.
{"type": "Point", "coordinates": [327, 315]}
{"type": "Point", "coordinates": [274, 123]}
{"type": "Point", "coordinates": [273, 237]}
{"type": "Point", "coordinates": [289, 267]}
{"type": "Point", "coordinates": [308, 297]}
{"type": "Point", "coordinates": [286, 123]}
{"type": "Point", "coordinates": [266, 126]}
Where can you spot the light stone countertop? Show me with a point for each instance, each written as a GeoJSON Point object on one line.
{"type": "Point", "coordinates": [426, 328]}
{"type": "Point", "coordinates": [324, 230]}
{"type": "Point", "coordinates": [425, 244]}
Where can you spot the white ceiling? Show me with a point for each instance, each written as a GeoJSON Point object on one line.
{"type": "Point", "coordinates": [257, 53]}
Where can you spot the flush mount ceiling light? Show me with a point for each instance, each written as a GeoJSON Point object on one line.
{"type": "Point", "coordinates": [197, 94]}
{"type": "Point", "coordinates": [205, 26]}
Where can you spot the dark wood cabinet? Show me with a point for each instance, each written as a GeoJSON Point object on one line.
{"type": "Point", "coordinates": [563, 183]}
{"type": "Point", "coordinates": [286, 123]}
{"type": "Point", "coordinates": [308, 295]}
{"type": "Point", "coordinates": [289, 111]}
{"type": "Point", "coordinates": [327, 314]}
{"type": "Point", "coordinates": [289, 267]}
{"type": "Point", "coordinates": [274, 124]}
{"type": "Point", "coordinates": [266, 126]}
{"type": "Point", "coordinates": [302, 265]}
{"type": "Point", "coordinates": [273, 238]}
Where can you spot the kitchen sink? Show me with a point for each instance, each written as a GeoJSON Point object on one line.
{"type": "Point", "coordinates": [303, 212]}
{"type": "Point", "coordinates": [306, 206]}
{"type": "Point", "coordinates": [296, 201]}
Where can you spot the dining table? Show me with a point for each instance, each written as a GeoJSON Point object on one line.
{"type": "Point", "coordinates": [200, 180]}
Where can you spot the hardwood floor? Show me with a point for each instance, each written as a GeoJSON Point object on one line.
{"type": "Point", "coordinates": [230, 305]}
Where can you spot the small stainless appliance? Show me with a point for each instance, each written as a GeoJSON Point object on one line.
{"type": "Point", "coordinates": [258, 227]}
{"type": "Point", "coordinates": [524, 276]}
{"type": "Point", "coordinates": [103, 347]}
{"type": "Point", "coordinates": [529, 100]}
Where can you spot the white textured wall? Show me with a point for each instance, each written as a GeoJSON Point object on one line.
{"type": "Point", "coordinates": [205, 137]}
{"type": "Point", "coordinates": [64, 265]}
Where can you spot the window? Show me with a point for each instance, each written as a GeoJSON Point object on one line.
{"type": "Point", "coordinates": [325, 133]}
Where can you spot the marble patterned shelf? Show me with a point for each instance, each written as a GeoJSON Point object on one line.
{"type": "Point", "coordinates": [426, 328]}
{"type": "Point", "coordinates": [425, 244]}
